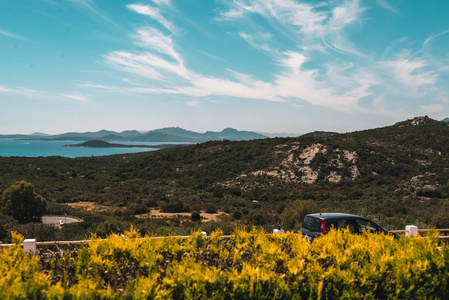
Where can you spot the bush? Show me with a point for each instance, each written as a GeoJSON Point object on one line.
{"type": "Point", "coordinates": [294, 214]}
{"type": "Point", "coordinates": [210, 208]}
{"type": "Point", "coordinates": [237, 215]}
{"type": "Point", "coordinates": [173, 207]}
{"type": "Point", "coordinates": [249, 265]}
{"type": "Point", "coordinates": [429, 193]}
{"type": "Point", "coordinates": [195, 216]}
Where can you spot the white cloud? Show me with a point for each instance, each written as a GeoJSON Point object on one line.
{"type": "Point", "coordinates": [40, 95]}
{"type": "Point", "coordinates": [76, 97]}
{"type": "Point", "coordinates": [152, 12]}
{"type": "Point", "coordinates": [259, 41]}
{"type": "Point", "coordinates": [152, 38]}
{"type": "Point", "coordinates": [285, 11]}
{"type": "Point", "coordinates": [345, 14]}
{"type": "Point", "coordinates": [293, 81]}
{"type": "Point", "coordinates": [409, 71]}
{"type": "Point", "coordinates": [193, 103]}
{"type": "Point", "coordinates": [306, 19]}
{"type": "Point", "coordinates": [145, 64]}
{"type": "Point", "coordinates": [202, 86]}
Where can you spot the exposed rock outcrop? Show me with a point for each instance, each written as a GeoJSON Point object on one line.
{"type": "Point", "coordinates": [300, 166]}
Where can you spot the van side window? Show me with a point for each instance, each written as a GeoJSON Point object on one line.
{"type": "Point", "coordinates": [348, 223]}
{"type": "Point", "coordinates": [369, 226]}
{"type": "Point", "coordinates": [331, 225]}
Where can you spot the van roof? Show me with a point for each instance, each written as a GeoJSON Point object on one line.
{"type": "Point", "coordinates": [331, 215]}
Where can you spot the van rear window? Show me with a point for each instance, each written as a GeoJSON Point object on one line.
{"type": "Point", "coordinates": [312, 224]}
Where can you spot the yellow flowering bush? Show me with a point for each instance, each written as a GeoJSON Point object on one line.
{"type": "Point", "coordinates": [249, 265]}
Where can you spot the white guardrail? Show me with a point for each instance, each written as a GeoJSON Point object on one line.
{"type": "Point", "coordinates": [29, 245]}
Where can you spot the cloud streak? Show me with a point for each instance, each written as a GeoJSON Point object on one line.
{"type": "Point", "coordinates": [40, 95]}
{"type": "Point", "coordinates": [303, 19]}
{"type": "Point", "coordinates": [10, 35]}
{"type": "Point", "coordinates": [409, 71]}
{"type": "Point", "coordinates": [152, 12]}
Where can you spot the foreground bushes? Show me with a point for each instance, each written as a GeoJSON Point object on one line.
{"type": "Point", "coordinates": [250, 265]}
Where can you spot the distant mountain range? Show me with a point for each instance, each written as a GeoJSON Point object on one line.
{"type": "Point", "coordinates": [168, 134]}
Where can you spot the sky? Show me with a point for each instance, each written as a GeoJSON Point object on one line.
{"type": "Point", "coordinates": [260, 65]}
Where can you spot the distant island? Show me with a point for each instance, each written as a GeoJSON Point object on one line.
{"type": "Point", "coordinates": [104, 144]}
{"type": "Point", "coordinates": [164, 135]}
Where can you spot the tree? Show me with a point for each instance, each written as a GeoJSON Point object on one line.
{"type": "Point", "coordinates": [295, 212]}
{"type": "Point", "coordinates": [195, 216]}
{"type": "Point", "coordinates": [21, 202]}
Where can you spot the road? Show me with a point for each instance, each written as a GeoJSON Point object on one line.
{"type": "Point", "coordinates": [55, 219]}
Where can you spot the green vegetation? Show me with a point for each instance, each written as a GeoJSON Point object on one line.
{"type": "Point", "coordinates": [395, 175]}
{"type": "Point", "coordinates": [21, 202]}
{"type": "Point", "coordinates": [249, 265]}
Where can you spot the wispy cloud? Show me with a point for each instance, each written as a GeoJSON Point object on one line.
{"type": "Point", "coordinates": [40, 95]}
{"type": "Point", "coordinates": [162, 2]}
{"type": "Point", "coordinates": [301, 15]}
{"type": "Point", "coordinates": [81, 98]}
{"type": "Point", "coordinates": [193, 103]}
{"type": "Point", "coordinates": [164, 63]}
{"type": "Point", "coordinates": [10, 34]}
{"type": "Point", "coordinates": [385, 5]}
{"type": "Point", "coordinates": [145, 64]}
{"type": "Point", "coordinates": [410, 71]}
{"type": "Point", "coordinates": [305, 19]}
{"type": "Point", "coordinates": [338, 83]}
{"type": "Point", "coordinates": [431, 50]}
{"type": "Point", "coordinates": [152, 12]}
{"type": "Point", "coordinates": [293, 83]}
{"type": "Point", "coordinates": [153, 39]}
{"type": "Point", "coordinates": [259, 41]}
{"type": "Point", "coordinates": [90, 6]}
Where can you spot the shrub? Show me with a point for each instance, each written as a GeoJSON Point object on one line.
{"type": "Point", "coordinates": [429, 193]}
{"type": "Point", "coordinates": [237, 215]}
{"type": "Point", "coordinates": [249, 265]}
{"type": "Point", "coordinates": [210, 208]}
{"type": "Point", "coordinates": [195, 216]}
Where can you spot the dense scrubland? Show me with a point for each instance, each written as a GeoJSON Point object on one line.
{"type": "Point", "coordinates": [395, 175]}
{"type": "Point", "coordinates": [249, 265]}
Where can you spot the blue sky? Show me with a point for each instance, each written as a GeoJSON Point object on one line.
{"type": "Point", "coordinates": [260, 65]}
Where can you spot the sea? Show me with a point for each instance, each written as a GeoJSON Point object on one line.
{"type": "Point", "coordinates": [26, 148]}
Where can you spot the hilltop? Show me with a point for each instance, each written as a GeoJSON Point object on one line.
{"type": "Point", "coordinates": [395, 175]}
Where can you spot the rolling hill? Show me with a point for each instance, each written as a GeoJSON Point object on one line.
{"type": "Point", "coordinates": [395, 175]}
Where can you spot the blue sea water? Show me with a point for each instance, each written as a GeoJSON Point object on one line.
{"type": "Point", "coordinates": [13, 147]}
